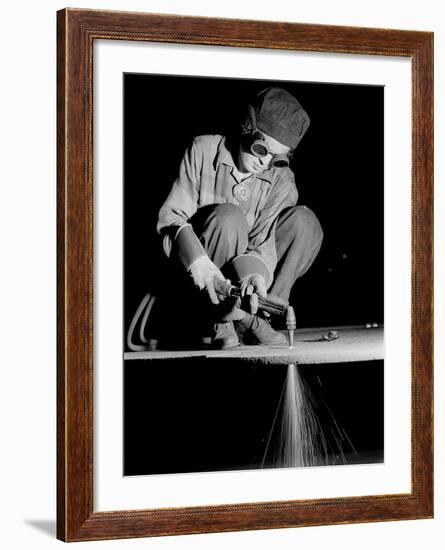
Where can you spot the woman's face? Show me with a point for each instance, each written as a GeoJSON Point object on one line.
{"type": "Point", "coordinates": [250, 163]}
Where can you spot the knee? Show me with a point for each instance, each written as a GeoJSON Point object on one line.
{"type": "Point", "coordinates": [304, 216]}
{"type": "Point", "coordinates": [301, 220]}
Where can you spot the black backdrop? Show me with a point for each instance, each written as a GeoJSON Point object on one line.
{"type": "Point", "coordinates": [338, 169]}
{"type": "Point", "coordinates": [195, 417]}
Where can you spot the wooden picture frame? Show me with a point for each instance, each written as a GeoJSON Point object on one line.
{"type": "Point", "coordinates": [77, 31]}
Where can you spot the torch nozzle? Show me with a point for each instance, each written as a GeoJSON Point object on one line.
{"type": "Point", "coordinates": [291, 325]}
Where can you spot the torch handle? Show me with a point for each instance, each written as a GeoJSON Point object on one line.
{"type": "Point", "coordinates": [271, 304]}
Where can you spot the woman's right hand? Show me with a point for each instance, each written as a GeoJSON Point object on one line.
{"type": "Point", "coordinates": [204, 272]}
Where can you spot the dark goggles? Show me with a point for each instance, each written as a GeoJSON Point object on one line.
{"type": "Point", "coordinates": [258, 148]}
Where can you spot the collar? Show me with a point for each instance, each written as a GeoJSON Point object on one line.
{"type": "Point", "coordinates": [224, 156]}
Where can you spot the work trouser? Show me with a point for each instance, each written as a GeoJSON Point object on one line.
{"type": "Point", "coordinates": [223, 231]}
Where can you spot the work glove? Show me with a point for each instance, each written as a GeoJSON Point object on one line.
{"type": "Point", "coordinates": [204, 272]}
{"type": "Point", "coordinates": [252, 286]}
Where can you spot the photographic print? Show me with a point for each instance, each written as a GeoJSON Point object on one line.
{"type": "Point", "coordinates": [253, 274]}
{"type": "Point", "coordinates": [222, 297]}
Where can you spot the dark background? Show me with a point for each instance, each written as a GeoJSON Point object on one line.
{"type": "Point", "coordinates": [198, 415]}
{"type": "Point", "coordinates": [338, 170]}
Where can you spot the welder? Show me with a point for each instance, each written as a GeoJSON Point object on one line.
{"type": "Point", "coordinates": [232, 214]}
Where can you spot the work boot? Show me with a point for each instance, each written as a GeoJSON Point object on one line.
{"type": "Point", "coordinates": [224, 336]}
{"type": "Point", "coordinates": [255, 330]}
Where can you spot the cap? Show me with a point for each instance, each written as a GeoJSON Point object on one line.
{"type": "Point", "coordinates": [279, 115]}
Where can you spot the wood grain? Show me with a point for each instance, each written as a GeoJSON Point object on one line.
{"type": "Point", "coordinates": [76, 31]}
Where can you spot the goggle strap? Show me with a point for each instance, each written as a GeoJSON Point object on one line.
{"type": "Point", "coordinates": [253, 118]}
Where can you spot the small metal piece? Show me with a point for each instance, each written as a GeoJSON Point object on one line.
{"type": "Point", "coordinates": [331, 335]}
